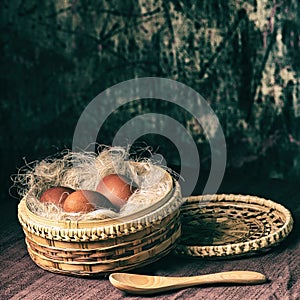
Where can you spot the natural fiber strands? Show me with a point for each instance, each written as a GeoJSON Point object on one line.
{"type": "Point", "coordinates": [83, 171]}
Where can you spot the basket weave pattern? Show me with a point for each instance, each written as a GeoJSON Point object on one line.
{"type": "Point", "coordinates": [86, 248]}
{"type": "Point", "coordinates": [231, 225]}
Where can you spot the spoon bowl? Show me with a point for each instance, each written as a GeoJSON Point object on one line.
{"type": "Point", "coordinates": [144, 284]}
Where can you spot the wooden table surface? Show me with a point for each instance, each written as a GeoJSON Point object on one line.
{"type": "Point", "coordinates": [21, 279]}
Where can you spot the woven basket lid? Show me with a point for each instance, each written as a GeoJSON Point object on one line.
{"type": "Point", "coordinates": [225, 226]}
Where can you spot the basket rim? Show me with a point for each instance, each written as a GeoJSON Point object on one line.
{"type": "Point", "coordinates": [97, 229]}
{"type": "Point", "coordinates": [252, 245]}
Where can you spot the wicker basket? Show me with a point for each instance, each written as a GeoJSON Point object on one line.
{"type": "Point", "coordinates": [228, 226]}
{"type": "Point", "coordinates": [86, 248]}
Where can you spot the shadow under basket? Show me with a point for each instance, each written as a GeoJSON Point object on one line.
{"type": "Point", "coordinates": [89, 248]}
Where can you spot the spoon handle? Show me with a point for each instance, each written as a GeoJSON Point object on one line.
{"type": "Point", "coordinates": [240, 277]}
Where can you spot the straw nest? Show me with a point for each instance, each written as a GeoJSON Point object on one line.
{"type": "Point", "coordinates": [83, 171]}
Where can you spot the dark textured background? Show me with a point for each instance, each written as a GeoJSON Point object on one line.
{"type": "Point", "coordinates": [242, 56]}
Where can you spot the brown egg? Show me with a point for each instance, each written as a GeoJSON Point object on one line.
{"type": "Point", "coordinates": [56, 195]}
{"type": "Point", "coordinates": [86, 201]}
{"type": "Point", "coordinates": [116, 188]}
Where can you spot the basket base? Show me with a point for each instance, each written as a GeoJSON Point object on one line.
{"type": "Point", "coordinates": [102, 268]}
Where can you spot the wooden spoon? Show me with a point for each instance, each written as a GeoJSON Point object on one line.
{"type": "Point", "coordinates": [143, 284]}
